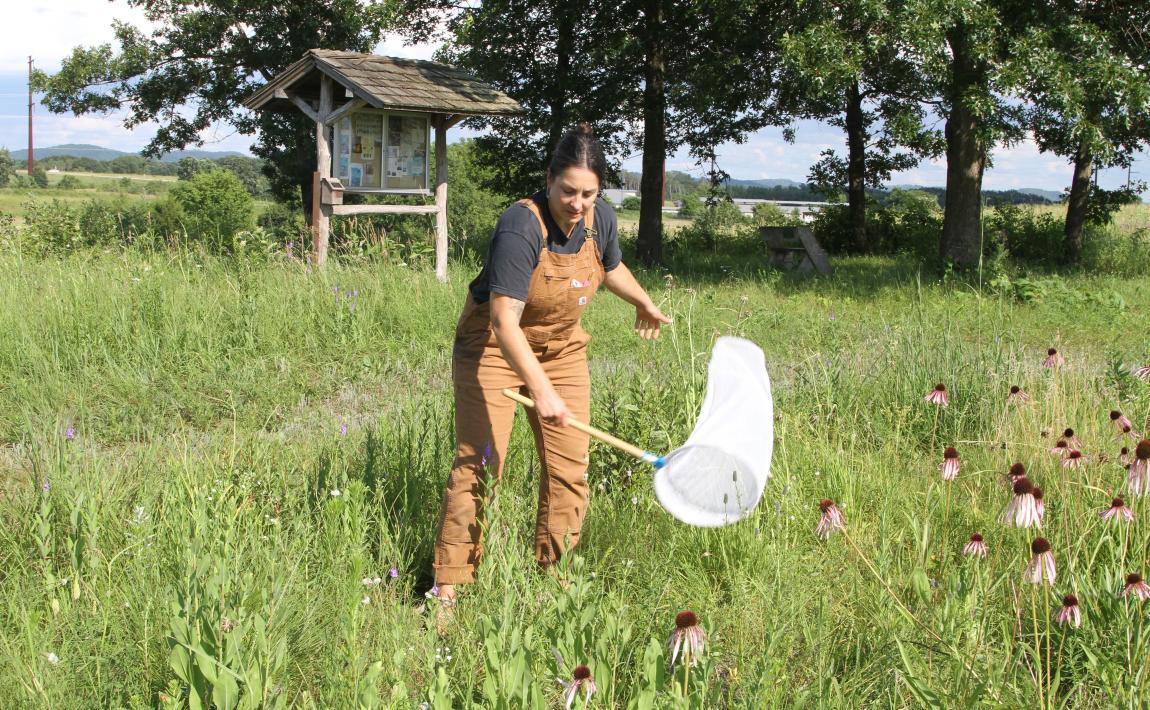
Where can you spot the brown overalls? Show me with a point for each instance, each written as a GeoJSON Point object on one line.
{"type": "Point", "coordinates": [561, 287]}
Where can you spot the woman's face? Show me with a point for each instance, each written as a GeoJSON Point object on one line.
{"type": "Point", "coordinates": [570, 194]}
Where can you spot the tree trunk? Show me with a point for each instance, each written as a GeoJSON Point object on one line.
{"type": "Point", "coordinates": [1078, 202]}
{"type": "Point", "coordinates": [649, 245]}
{"type": "Point", "coordinates": [856, 169]}
{"type": "Point", "coordinates": [563, 43]}
{"type": "Point", "coordinates": [965, 162]}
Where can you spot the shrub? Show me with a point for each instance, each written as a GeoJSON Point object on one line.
{"type": "Point", "coordinates": [1025, 234]}
{"type": "Point", "coordinates": [215, 208]}
{"type": "Point", "coordinates": [40, 177]}
{"type": "Point", "coordinates": [632, 204]}
{"type": "Point", "coordinates": [68, 182]}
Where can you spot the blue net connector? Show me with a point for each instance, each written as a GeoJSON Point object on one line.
{"type": "Point", "coordinates": [654, 459]}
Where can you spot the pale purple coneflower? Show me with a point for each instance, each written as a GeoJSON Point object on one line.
{"type": "Point", "coordinates": [1124, 457]}
{"type": "Point", "coordinates": [1143, 372]}
{"type": "Point", "coordinates": [1039, 503]}
{"type": "Point", "coordinates": [1016, 472]}
{"type": "Point", "coordinates": [975, 547]}
{"type": "Point", "coordinates": [1041, 566]}
{"type": "Point", "coordinates": [1074, 459]}
{"type": "Point", "coordinates": [1060, 448]}
{"type": "Point", "coordinates": [1072, 438]}
{"type": "Point", "coordinates": [1121, 422]}
{"type": "Point", "coordinates": [939, 395]}
{"type": "Point", "coordinates": [1022, 511]}
{"type": "Point", "coordinates": [687, 636]}
{"type": "Point", "coordinates": [832, 520]}
{"type": "Point", "coordinates": [580, 678]}
{"type": "Point", "coordinates": [1117, 511]}
{"type": "Point", "coordinates": [1138, 473]}
{"type": "Point", "coordinates": [1070, 613]}
{"type": "Point", "coordinates": [1053, 359]}
{"type": "Point", "coordinates": [1017, 395]}
{"type": "Point", "coordinates": [1137, 587]}
{"type": "Point", "coordinates": [1128, 431]}
{"type": "Point", "coordinates": [949, 466]}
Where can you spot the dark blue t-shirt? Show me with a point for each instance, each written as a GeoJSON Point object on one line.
{"type": "Point", "coordinates": [515, 246]}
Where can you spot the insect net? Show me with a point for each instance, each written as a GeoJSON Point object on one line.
{"type": "Point", "coordinates": [718, 475]}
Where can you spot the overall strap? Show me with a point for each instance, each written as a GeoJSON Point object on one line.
{"type": "Point", "coordinates": [588, 221]}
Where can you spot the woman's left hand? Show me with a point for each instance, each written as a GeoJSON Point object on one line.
{"type": "Point", "coordinates": [649, 320]}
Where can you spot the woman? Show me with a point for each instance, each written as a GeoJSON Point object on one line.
{"type": "Point", "coordinates": [520, 329]}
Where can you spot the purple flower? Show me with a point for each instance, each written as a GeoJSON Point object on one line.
{"type": "Point", "coordinates": [46, 487]}
{"type": "Point", "coordinates": [343, 429]}
{"type": "Point", "coordinates": [290, 248]}
{"type": "Point", "coordinates": [393, 572]}
{"type": "Point", "coordinates": [70, 432]}
{"type": "Point", "coordinates": [486, 455]}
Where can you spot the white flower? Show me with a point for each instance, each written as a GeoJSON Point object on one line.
{"type": "Point", "coordinates": [336, 493]}
{"type": "Point", "coordinates": [52, 658]}
{"type": "Point", "coordinates": [372, 581]}
{"type": "Point", "coordinates": [366, 599]}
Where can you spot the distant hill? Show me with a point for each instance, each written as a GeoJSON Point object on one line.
{"type": "Point", "coordinates": [95, 152]}
{"type": "Point", "coordinates": [769, 182]}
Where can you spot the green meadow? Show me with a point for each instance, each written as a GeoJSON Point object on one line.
{"type": "Point", "coordinates": [220, 478]}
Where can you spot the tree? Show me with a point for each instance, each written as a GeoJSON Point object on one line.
{"type": "Point", "coordinates": [200, 60]}
{"type": "Point", "coordinates": [188, 167]}
{"type": "Point", "coordinates": [40, 177]}
{"type": "Point", "coordinates": [7, 167]}
{"type": "Point", "coordinates": [1089, 99]}
{"type": "Point", "coordinates": [841, 64]}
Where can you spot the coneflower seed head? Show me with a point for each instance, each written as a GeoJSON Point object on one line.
{"type": "Point", "coordinates": [582, 673]}
{"type": "Point", "coordinates": [1075, 454]}
{"type": "Point", "coordinates": [1015, 389]}
{"type": "Point", "coordinates": [1037, 493]}
{"type": "Point", "coordinates": [1070, 600]}
{"type": "Point", "coordinates": [950, 453]}
{"type": "Point", "coordinates": [1117, 503]}
{"type": "Point", "coordinates": [1124, 452]}
{"type": "Point", "coordinates": [1023, 486]}
{"type": "Point", "coordinates": [826, 504]}
{"type": "Point", "coordinates": [1069, 433]}
{"type": "Point", "coordinates": [1040, 546]}
{"type": "Point", "coordinates": [1017, 470]}
{"type": "Point", "coordinates": [1142, 451]}
{"type": "Point", "coordinates": [940, 387]}
{"type": "Point", "coordinates": [976, 538]}
{"type": "Point", "coordinates": [1061, 444]}
{"type": "Point", "coordinates": [1051, 351]}
{"type": "Point", "coordinates": [1133, 578]}
{"type": "Point", "coordinates": [1115, 414]}
{"type": "Point", "coordinates": [686, 619]}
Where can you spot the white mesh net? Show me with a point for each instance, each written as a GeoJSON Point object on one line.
{"type": "Point", "coordinates": [718, 475]}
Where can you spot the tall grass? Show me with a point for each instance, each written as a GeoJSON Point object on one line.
{"type": "Point", "coordinates": [204, 460]}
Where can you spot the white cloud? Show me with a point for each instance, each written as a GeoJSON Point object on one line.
{"type": "Point", "coordinates": [47, 31]}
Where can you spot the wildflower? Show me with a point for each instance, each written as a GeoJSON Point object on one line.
{"type": "Point", "coordinates": [1022, 511]}
{"type": "Point", "coordinates": [1072, 438]}
{"type": "Point", "coordinates": [1070, 613]}
{"type": "Point", "coordinates": [1118, 511]}
{"type": "Point", "coordinates": [688, 636]}
{"type": "Point", "coordinates": [52, 658]}
{"type": "Point", "coordinates": [1041, 566]}
{"type": "Point", "coordinates": [371, 581]}
{"type": "Point", "coordinates": [70, 433]}
{"type": "Point", "coordinates": [1137, 587]}
{"type": "Point", "coordinates": [486, 455]}
{"type": "Point", "coordinates": [366, 600]}
{"type": "Point", "coordinates": [939, 395]}
{"type": "Point", "coordinates": [393, 572]}
{"type": "Point", "coordinates": [290, 248]}
{"type": "Point", "coordinates": [581, 678]}
{"type": "Point", "coordinates": [1016, 472]}
{"type": "Point", "coordinates": [1017, 395]}
{"type": "Point", "coordinates": [1053, 359]}
{"type": "Point", "coordinates": [1073, 459]}
{"type": "Point", "coordinates": [832, 519]}
{"type": "Point", "coordinates": [975, 548]}
{"type": "Point", "coordinates": [1138, 473]}
{"type": "Point", "coordinates": [336, 493]}
{"type": "Point", "coordinates": [1121, 421]}
{"type": "Point", "coordinates": [1124, 457]}
{"type": "Point", "coordinates": [1128, 431]}
{"type": "Point", "coordinates": [949, 466]}
{"type": "Point", "coordinates": [1143, 372]}
{"type": "Point", "coordinates": [46, 487]}
{"type": "Point", "coordinates": [1039, 503]}
{"type": "Point", "coordinates": [1061, 448]}
{"type": "Point", "coordinates": [343, 429]}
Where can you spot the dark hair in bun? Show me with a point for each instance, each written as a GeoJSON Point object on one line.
{"type": "Point", "coordinates": [581, 149]}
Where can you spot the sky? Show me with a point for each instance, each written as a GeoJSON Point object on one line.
{"type": "Point", "coordinates": [48, 30]}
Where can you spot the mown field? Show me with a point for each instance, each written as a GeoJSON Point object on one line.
{"type": "Point", "coordinates": [219, 482]}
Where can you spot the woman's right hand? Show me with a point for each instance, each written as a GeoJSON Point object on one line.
{"type": "Point", "coordinates": [551, 408]}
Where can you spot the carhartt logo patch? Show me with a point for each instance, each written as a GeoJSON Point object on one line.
{"type": "Point", "coordinates": [576, 283]}
{"type": "Point", "coordinates": [582, 300]}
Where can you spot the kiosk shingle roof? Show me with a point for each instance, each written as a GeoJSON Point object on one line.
{"type": "Point", "coordinates": [385, 82]}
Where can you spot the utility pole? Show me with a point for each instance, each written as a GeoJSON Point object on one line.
{"type": "Point", "coordinates": [30, 116]}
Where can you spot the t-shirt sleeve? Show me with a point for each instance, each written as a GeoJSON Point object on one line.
{"type": "Point", "coordinates": [609, 235]}
{"type": "Point", "coordinates": [514, 253]}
